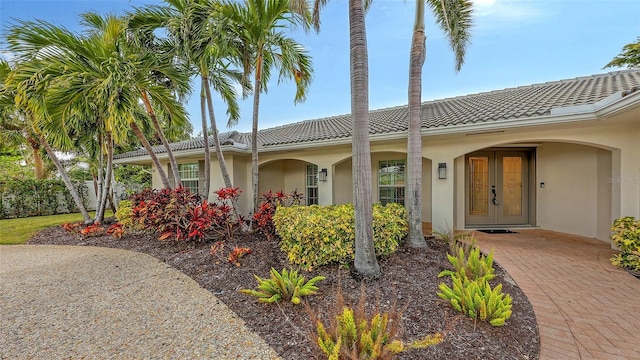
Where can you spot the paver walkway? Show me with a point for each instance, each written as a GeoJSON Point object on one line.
{"type": "Point", "coordinates": [586, 308]}
{"type": "Point", "coordinates": [84, 302]}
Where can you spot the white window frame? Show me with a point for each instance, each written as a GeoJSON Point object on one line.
{"type": "Point", "coordinates": [190, 176]}
{"type": "Point", "coordinates": [312, 184]}
{"type": "Point", "coordinates": [392, 176]}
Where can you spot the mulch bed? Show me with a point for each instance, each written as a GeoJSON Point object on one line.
{"type": "Point", "coordinates": [409, 276]}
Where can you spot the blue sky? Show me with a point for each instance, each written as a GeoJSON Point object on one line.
{"type": "Point", "coordinates": [514, 43]}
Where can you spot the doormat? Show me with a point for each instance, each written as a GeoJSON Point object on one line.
{"type": "Point", "coordinates": [497, 231]}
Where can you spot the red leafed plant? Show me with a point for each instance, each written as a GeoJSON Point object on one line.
{"type": "Point", "coordinates": [72, 227]}
{"type": "Point", "coordinates": [269, 201]}
{"type": "Point", "coordinates": [180, 215]}
{"type": "Point", "coordinates": [94, 229]}
{"type": "Point", "coordinates": [116, 230]}
{"type": "Point", "coordinates": [236, 254]}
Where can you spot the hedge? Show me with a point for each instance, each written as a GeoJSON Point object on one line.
{"type": "Point", "coordinates": [24, 198]}
{"type": "Point", "coordinates": [318, 235]}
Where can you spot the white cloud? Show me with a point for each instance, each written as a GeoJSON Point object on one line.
{"type": "Point", "coordinates": [493, 13]}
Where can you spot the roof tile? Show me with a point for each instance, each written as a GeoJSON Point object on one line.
{"type": "Point", "coordinates": [524, 102]}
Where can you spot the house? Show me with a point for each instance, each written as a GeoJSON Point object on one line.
{"type": "Point", "coordinates": [562, 155]}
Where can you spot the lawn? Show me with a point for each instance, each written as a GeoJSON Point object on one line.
{"type": "Point", "coordinates": [18, 231]}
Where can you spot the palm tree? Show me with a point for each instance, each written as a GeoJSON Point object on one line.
{"type": "Point", "coordinates": [199, 37]}
{"type": "Point", "coordinates": [13, 128]}
{"type": "Point", "coordinates": [454, 17]}
{"type": "Point", "coordinates": [26, 85]}
{"type": "Point", "coordinates": [365, 263]}
{"type": "Point", "coordinates": [264, 47]}
{"type": "Point", "coordinates": [104, 74]}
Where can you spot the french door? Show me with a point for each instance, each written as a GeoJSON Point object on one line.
{"type": "Point", "coordinates": [497, 188]}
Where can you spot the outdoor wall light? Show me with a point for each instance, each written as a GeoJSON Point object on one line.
{"type": "Point", "coordinates": [322, 175]}
{"type": "Point", "coordinates": [442, 170]}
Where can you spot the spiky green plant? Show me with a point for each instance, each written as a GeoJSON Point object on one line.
{"type": "Point", "coordinates": [476, 299]}
{"type": "Point", "coordinates": [471, 263]}
{"type": "Point", "coordinates": [352, 333]}
{"type": "Point", "coordinates": [288, 285]}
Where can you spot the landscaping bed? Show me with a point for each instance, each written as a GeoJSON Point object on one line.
{"type": "Point", "coordinates": [409, 276]}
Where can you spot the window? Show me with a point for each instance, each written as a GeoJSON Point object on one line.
{"type": "Point", "coordinates": [312, 184]}
{"type": "Point", "coordinates": [189, 175]}
{"type": "Point", "coordinates": [391, 175]}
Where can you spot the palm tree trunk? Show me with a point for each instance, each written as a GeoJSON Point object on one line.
{"type": "Point", "coordinates": [160, 133]}
{"type": "Point", "coordinates": [254, 133]}
{"type": "Point", "coordinates": [38, 164]}
{"type": "Point", "coordinates": [107, 179]}
{"type": "Point", "coordinates": [66, 180]}
{"type": "Point", "coordinates": [413, 197]}
{"type": "Point", "coordinates": [100, 183]}
{"type": "Point", "coordinates": [223, 164]}
{"type": "Point", "coordinates": [365, 263]}
{"type": "Point", "coordinates": [205, 135]}
{"type": "Point", "coordinates": [145, 143]}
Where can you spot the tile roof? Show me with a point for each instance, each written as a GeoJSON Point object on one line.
{"type": "Point", "coordinates": [524, 102]}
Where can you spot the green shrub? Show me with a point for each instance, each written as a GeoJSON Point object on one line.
{"type": "Point", "coordinates": [471, 264]}
{"type": "Point", "coordinates": [352, 333]}
{"type": "Point", "coordinates": [626, 236]}
{"type": "Point", "coordinates": [471, 293]}
{"type": "Point", "coordinates": [31, 197]}
{"type": "Point", "coordinates": [286, 286]}
{"type": "Point", "coordinates": [476, 299]}
{"type": "Point", "coordinates": [318, 235]}
{"type": "Point", "coordinates": [124, 215]}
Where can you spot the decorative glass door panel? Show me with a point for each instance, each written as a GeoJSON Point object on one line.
{"type": "Point", "coordinates": [512, 185]}
{"type": "Point", "coordinates": [497, 188]}
{"type": "Point", "coordinates": [480, 175]}
{"type": "Point", "coordinates": [479, 185]}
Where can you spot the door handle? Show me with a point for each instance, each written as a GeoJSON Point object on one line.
{"type": "Point", "coordinates": [493, 191]}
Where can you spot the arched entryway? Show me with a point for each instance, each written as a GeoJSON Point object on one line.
{"type": "Point", "coordinates": [556, 185]}
{"type": "Point", "coordinates": [290, 175]}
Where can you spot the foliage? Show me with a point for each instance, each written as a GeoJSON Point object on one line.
{"type": "Point", "coordinates": [472, 264]}
{"type": "Point", "coordinates": [116, 230]}
{"type": "Point", "coordinates": [124, 215]}
{"type": "Point", "coordinates": [629, 57]}
{"type": "Point", "coordinates": [72, 227]}
{"type": "Point", "coordinates": [286, 286]}
{"type": "Point", "coordinates": [92, 230]}
{"type": "Point", "coordinates": [626, 236]}
{"type": "Point", "coordinates": [476, 299]}
{"type": "Point", "coordinates": [12, 168]}
{"type": "Point", "coordinates": [453, 239]}
{"type": "Point", "coordinates": [135, 178]}
{"type": "Point", "coordinates": [180, 215]}
{"type": "Point", "coordinates": [351, 333]}
{"type": "Point", "coordinates": [31, 197]}
{"type": "Point", "coordinates": [269, 202]}
{"type": "Point", "coordinates": [318, 235]}
{"type": "Point", "coordinates": [236, 254]}
{"type": "Point", "coordinates": [471, 293]}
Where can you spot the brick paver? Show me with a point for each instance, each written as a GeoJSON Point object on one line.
{"type": "Point", "coordinates": [586, 308]}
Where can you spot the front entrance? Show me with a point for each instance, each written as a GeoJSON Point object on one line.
{"type": "Point", "coordinates": [497, 187]}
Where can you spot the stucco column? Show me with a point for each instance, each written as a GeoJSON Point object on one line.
{"type": "Point", "coordinates": [629, 182]}
{"type": "Point", "coordinates": [325, 188]}
{"type": "Point", "coordinates": [442, 195]}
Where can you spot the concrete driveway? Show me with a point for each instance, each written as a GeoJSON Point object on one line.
{"type": "Point", "coordinates": [87, 302]}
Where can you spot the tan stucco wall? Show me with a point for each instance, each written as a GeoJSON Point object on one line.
{"type": "Point", "coordinates": [591, 171]}
{"type": "Point", "coordinates": [283, 175]}
{"type": "Point", "coordinates": [569, 201]}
